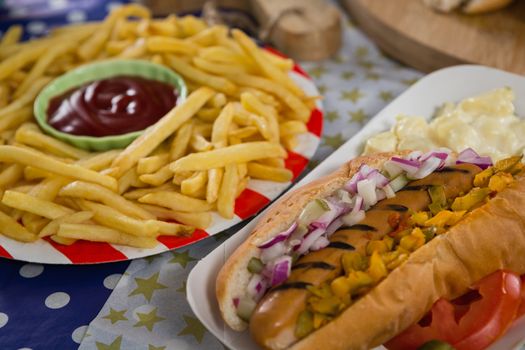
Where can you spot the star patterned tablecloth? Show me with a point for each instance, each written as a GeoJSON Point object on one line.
{"type": "Point", "coordinates": [148, 309]}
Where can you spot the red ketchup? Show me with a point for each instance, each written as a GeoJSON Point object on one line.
{"type": "Point", "coordinates": [112, 106]}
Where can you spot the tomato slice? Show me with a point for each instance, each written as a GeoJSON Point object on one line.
{"type": "Point", "coordinates": [521, 310]}
{"type": "Point", "coordinates": [468, 324]}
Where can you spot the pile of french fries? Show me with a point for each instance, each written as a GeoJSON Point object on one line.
{"type": "Point", "coordinates": [241, 114]}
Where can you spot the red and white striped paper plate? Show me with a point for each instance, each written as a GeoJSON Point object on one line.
{"type": "Point", "coordinates": [254, 198]}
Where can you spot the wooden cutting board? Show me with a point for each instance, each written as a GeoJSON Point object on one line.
{"type": "Point", "coordinates": [426, 40]}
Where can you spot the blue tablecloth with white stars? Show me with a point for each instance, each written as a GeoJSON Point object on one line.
{"type": "Point", "coordinates": [143, 305]}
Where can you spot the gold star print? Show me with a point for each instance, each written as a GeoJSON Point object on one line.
{"type": "Point", "coordinates": [193, 327]}
{"type": "Point", "coordinates": [114, 316]}
{"type": "Point", "coordinates": [353, 95]}
{"type": "Point", "coordinates": [150, 259]}
{"type": "Point", "coordinates": [115, 345]}
{"type": "Point", "coordinates": [148, 320]}
{"type": "Point", "coordinates": [386, 96]}
{"type": "Point", "coordinates": [182, 288]}
{"type": "Point", "coordinates": [322, 89]}
{"type": "Point", "coordinates": [331, 116]}
{"type": "Point", "coordinates": [358, 116]}
{"type": "Point", "coordinates": [361, 52]}
{"type": "Point", "coordinates": [372, 76]}
{"type": "Point", "coordinates": [409, 81]}
{"type": "Point", "coordinates": [348, 75]}
{"type": "Point", "coordinates": [151, 347]}
{"type": "Point", "coordinates": [147, 286]}
{"type": "Point", "coordinates": [182, 258]}
{"type": "Point", "coordinates": [366, 64]}
{"type": "Point", "coordinates": [333, 141]}
{"type": "Point", "coordinates": [317, 72]}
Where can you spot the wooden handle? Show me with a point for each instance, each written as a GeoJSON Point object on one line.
{"type": "Point", "coordinates": [303, 30]}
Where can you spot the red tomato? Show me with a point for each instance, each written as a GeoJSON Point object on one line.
{"type": "Point", "coordinates": [521, 310]}
{"type": "Point", "coordinates": [467, 324]}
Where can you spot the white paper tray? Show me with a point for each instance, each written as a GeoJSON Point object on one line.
{"type": "Point", "coordinates": [446, 85]}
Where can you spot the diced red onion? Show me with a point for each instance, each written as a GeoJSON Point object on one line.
{"type": "Point", "coordinates": [389, 192]}
{"type": "Point", "coordinates": [320, 243]}
{"type": "Point", "coordinates": [236, 302]}
{"type": "Point", "coordinates": [351, 185]}
{"type": "Point", "coordinates": [380, 194]}
{"type": "Point", "coordinates": [379, 179]}
{"type": "Point", "coordinates": [256, 286]}
{"type": "Point", "coordinates": [441, 155]}
{"type": "Point", "coordinates": [333, 226]}
{"type": "Point", "coordinates": [427, 167]}
{"type": "Point", "coordinates": [309, 240]}
{"type": "Point", "coordinates": [281, 270]}
{"type": "Point", "coordinates": [275, 251]}
{"type": "Point", "coordinates": [470, 156]}
{"type": "Point", "coordinates": [358, 203]}
{"type": "Point", "coordinates": [414, 155]}
{"type": "Point", "coordinates": [329, 216]}
{"type": "Point", "coordinates": [367, 189]}
{"type": "Point", "coordinates": [279, 238]}
{"type": "Point", "coordinates": [353, 218]}
{"type": "Point", "coordinates": [410, 166]}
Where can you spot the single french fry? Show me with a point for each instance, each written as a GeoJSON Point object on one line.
{"type": "Point", "coordinates": [11, 36]}
{"type": "Point", "coordinates": [292, 127]}
{"type": "Point", "coordinates": [137, 50]}
{"type": "Point", "coordinates": [215, 82]}
{"type": "Point", "coordinates": [112, 218]}
{"type": "Point", "coordinates": [98, 161]}
{"type": "Point", "coordinates": [98, 233]}
{"type": "Point", "coordinates": [217, 68]}
{"type": "Point", "coordinates": [284, 64]}
{"type": "Point", "coordinates": [293, 102]}
{"type": "Point", "coordinates": [152, 164]}
{"type": "Point", "coordinates": [265, 172]}
{"type": "Point", "coordinates": [75, 218]}
{"type": "Point", "coordinates": [219, 136]}
{"type": "Point", "coordinates": [136, 194]}
{"type": "Point", "coordinates": [9, 227]}
{"type": "Point", "coordinates": [242, 185]}
{"type": "Point", "coordinates": [22, 188]}
{"type": "Point", "coordinates": [157, 178]}
{"type": "Point", "coordinates": [176, 201]}
{"type": "Point", "coordinates": [223, 55]}
{"type": "Point", "coordinates": [34, 205]}
{"type": "Point", "coordinates": [180, 142]}
{"type": "Point", "coordinates": [180, 176]}
{"type": "Point", "coordinates": [94, 192]}
{"type": "Point", "coordinates": [192, 185]}
{"type": "Point", "coordinates": [200, 220]}
{"type": "Point", "coordinates": [290, 142]}
{"type": "Point", "coordinates": [116, 47]}
{"type": "Point", "coordinates": [63, 240]}
{"type": "Point", "coordinates": [217, 101]}
{"type": "Point", "coordinates": [208, 114]}
{"type": "Point", "coordinates": [172, 229]}
{"type": "Point", "coordinates": [214, 183]}
{"type": "Point", "coordinates": [218, 158]}
{"type": "Point", "coordinates": [30, 135]}
{"type": "Point", "coordinates": [161, 44]}
{"type": "Point", "coordinates": [228, 191]}
{"type": "Point", "coordinates": [191, 25]}
{"type": "Point", "coordinates": [157, 133]}
{"type": "Point", "coordinates": [11, 175]}
{"type": "Point", "coordinates": [265, 97]}
{"type": "Point", "coordinates": [273, 162]}
{"type": "Point", "coordinates": [39, 160]}
{"type": "Point", "coordinates": [126, 180]}
{"type": "Point", "coordinates": [243, 132]}
{"type": "Point", "coordinates": [34, 223]}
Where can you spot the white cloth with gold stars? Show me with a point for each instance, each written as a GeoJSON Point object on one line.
{"type": "Point", "coordinates": [148, 309]}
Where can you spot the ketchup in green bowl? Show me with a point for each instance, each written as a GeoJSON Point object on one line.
{"type": "Point", "coordinates": [111, 106]}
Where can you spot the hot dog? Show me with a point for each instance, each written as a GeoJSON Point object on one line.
{"type": "Point", "coordinates": [329, 299]}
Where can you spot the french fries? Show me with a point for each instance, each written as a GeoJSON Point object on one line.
{"type": "Point", "coordinates": [241, 112]}
{"type": "Point", "coordinates": [219, 158]}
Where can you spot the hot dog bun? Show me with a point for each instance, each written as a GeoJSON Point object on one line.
{"type": "Point", "coordinates": [469, 7]}
{"type": "Point", "coordinates": [492, 237]}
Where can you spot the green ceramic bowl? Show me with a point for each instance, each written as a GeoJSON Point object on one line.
{"type": "Point", "coordinates": [98, 71]}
